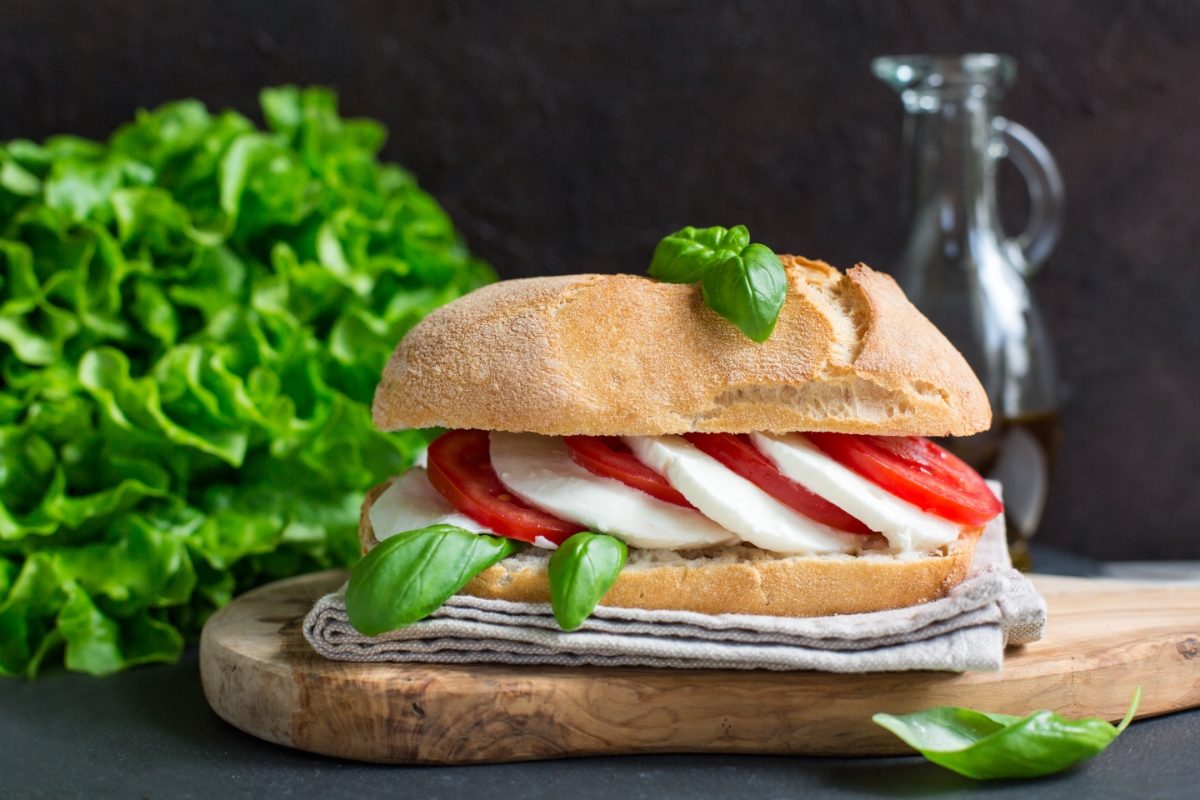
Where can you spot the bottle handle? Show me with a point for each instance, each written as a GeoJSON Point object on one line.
{"type": "Point", "coordinates": [1045, 185]}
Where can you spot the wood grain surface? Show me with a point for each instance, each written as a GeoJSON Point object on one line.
{"type": "Point", "coordinates": [1103, 639]}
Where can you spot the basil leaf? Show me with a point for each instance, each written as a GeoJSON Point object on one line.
{"type": "Point", "coordinates": [684, 256]}
{"type": "Point", "coordinates": [748, 290]}
{"type": "Point", "coordinates": [406, 577]}
{"type": "Point", "coordinates": [983, 746]}
{"type": "Point", "coordinates": [581, 570]}
{"type": "Point", "coordinates": [743, 282]}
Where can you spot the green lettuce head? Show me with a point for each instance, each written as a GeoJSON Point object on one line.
{"type": "Point", "coordinates": [193, 317]}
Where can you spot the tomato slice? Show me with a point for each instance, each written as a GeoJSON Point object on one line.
{"type": "Point", "coordinates": [917, 470]}
{"type": "Point", "coordinates": [737, 453]}
{"type": "Point", "coordinates": [610, 457]}
{"type": "Point", "coordinates": [460, 468]}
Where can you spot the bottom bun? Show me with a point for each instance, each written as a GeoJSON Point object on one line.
{"type": "Point", "coordinates": [742, 579]}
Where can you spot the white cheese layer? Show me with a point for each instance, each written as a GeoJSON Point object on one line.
{"type": "Point", "coordinates": [411, 503]}
{"type": "Point", "coordinates": [540, 470]}
{"type": "Point", "coordinates": [736, 503]}
{"type": "Point", "coordinates": [907, 527]}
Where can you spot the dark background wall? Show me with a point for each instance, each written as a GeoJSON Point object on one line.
{"type": "Point", "coordinates": [569, 136]}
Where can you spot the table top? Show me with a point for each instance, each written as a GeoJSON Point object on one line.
{"type": "Point", "coordinates": [150, 733]}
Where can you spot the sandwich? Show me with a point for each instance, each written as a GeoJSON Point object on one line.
{"type": "Point", "coordinates": [621, 424]}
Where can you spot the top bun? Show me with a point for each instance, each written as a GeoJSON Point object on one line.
{"type": "Point", "coordinates": [627, 355]}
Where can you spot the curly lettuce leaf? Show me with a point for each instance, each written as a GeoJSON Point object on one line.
{"type": "Point", "coordinates": [193, 317]}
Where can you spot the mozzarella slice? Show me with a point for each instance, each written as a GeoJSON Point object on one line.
{"type": "Point", "coordinates": [736, 503]}
{"type": "Point", "coordinates": [907, 527]}
{"type": "Point", "coordinates": [411, 503]}
{"type": "Point", "coordinates": [421, 458]}
{"type": "Point", "coordinates": [540, 470]}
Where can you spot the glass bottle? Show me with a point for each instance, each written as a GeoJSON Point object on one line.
{"type": "Point", "coordinates": [969, 276]}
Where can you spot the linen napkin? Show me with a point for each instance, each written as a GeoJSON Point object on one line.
{"type": "Point", "coordinates": [995, 606]}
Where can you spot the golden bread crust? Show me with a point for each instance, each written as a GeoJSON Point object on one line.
{"type": "Point", "coordinates": [627, 355]}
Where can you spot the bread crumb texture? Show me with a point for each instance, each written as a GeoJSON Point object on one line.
{"type": "Point", "coordinates": [746, 580]}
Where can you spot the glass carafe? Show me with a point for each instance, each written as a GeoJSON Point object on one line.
{"type": "Point", "coordinates": [968, 275]}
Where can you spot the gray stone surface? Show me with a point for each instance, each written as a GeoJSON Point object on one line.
{"type": "Point", "coordinates": [149, 734]}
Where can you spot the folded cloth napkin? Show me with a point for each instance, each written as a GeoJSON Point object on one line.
{"type": "Point", "coordinates": [993, 607]}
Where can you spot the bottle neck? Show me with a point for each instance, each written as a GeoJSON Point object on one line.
{"type": "Point", "coordinates": [951, 164]}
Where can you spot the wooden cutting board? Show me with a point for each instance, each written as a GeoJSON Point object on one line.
{"type": "Point", "coordinates": [1103, 639]}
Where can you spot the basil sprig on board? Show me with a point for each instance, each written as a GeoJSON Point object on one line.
{"type": "Point", "coordinates": [981, 745]}
{"type": "Point", "coordinates": [406, 577]}
{"type": "Point", "coordinates": [742, 281]}
{"type": "Point", "coordinates": [581, 570]}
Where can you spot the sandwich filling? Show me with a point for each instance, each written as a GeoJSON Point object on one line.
{"type": "Point", "coordinates": [792, 494]}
